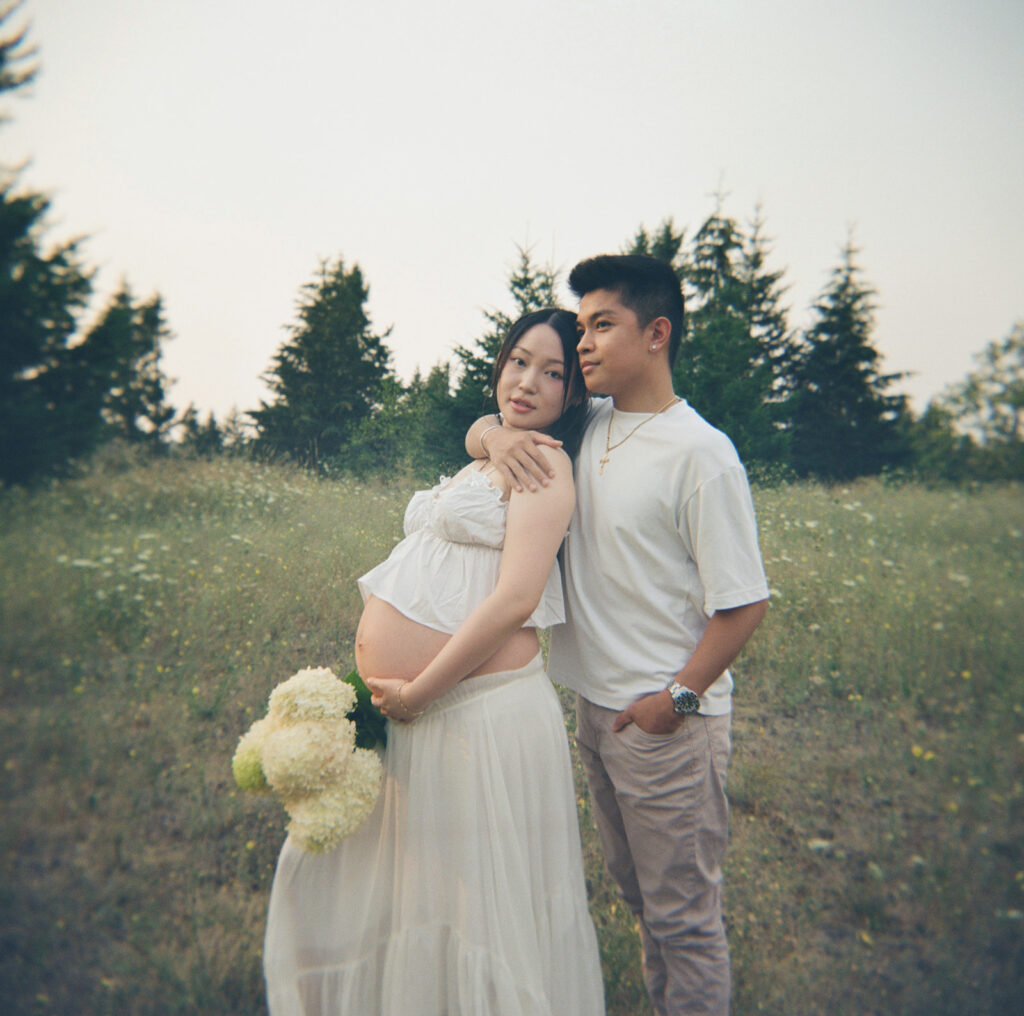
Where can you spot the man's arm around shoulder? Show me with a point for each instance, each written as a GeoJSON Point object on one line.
{"type": "Point", "coordinates": [518, 455]}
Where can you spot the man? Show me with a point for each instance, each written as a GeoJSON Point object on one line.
{"type": "Point", "coordinates": [664, 585]}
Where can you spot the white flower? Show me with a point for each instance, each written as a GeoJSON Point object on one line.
{"type": "Point", "coordinates": [306, 758]}
{"type": "Point", "coordinates": [304, 749]}
{"type": "Point", "coordinates": [312, 694]}
{"type": "Point", "coordinates": [321, 822]}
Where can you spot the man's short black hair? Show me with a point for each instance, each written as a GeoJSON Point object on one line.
{"type": "Point", "coordinates": [647, 286]}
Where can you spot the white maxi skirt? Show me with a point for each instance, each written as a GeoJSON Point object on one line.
{"type": "Point", "coordinates": [463, 893]}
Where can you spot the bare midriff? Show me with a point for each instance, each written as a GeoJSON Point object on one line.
{"type": "Point", "coordinates": [389, 644]}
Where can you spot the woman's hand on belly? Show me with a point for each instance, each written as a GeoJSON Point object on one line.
{"type": "Point", "coordinates": [395, 698]}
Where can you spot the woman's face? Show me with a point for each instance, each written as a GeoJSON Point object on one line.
{"type": "Point", "coordinates": [532, 383]}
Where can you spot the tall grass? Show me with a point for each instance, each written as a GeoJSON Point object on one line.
{"type": "Point", "coordinates": [877, 852]}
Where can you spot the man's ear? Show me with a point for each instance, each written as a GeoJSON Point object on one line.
{"type": "Point", "coordinates": [658, 334]}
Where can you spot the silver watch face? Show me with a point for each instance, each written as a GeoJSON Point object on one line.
{"type": "Point", "coordinates": [685, 701]}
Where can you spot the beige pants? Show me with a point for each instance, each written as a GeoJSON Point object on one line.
{"type": "Point", "coordinates": [663, 820]}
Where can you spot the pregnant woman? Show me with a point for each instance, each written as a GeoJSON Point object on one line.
{"type": "Point", "coordinates": [463, 893]}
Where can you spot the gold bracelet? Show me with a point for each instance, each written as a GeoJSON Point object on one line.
{"type": "Point", "coordinates": [408, 711]}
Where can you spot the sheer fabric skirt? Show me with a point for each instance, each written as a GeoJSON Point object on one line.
{"type": "Point", "coordinates": [463, 893]}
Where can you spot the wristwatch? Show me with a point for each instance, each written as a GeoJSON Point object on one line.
{"type": "Point", "coordinates": [684, 701]}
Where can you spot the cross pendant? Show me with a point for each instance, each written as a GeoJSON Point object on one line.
{"type": "Point", "coordinates": [604, 462]}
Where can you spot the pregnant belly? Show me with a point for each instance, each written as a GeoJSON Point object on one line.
{"type": "Point", "coordinates": [389, 644]}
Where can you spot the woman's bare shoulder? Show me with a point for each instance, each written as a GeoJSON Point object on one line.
{"type": "Point", "coordinates": [561, 464]}
{"type": "Point", "coordinates": [559, 488]}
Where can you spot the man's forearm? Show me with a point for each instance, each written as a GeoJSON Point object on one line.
{"type": "Point", "coordinates": [726, 634]}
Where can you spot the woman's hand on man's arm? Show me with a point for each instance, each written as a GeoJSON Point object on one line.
{"type": "Point", "coordinates": [518, 455]}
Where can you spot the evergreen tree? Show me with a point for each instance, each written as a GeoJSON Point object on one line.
{"type": "Point", "coordinates": [60, 396]}
{"type": "Point", "coordinates": [42, 294]}
{"type": "Point", "coordinates": [377, 443]}
{"type": "Point", "coordinates": [118, 366]}
{"type": "Point", "coordinates": [17, 56]}
{"type": "Point", "coordinates": [412, 430]}
{"type": "Point", "coordinates": [329, 375]}
{"type": "Point", "coordinates": [666, 244]}
{"type": "Point", "coordinates": [728, 361]}
{"type": "Point", "coordinates": [436, 437]}
{"type": "Point", "coordinates": [845, 423]}
{"type": "Point", "coordinates": [768, 321]}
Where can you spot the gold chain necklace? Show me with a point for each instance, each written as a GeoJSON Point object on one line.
{"type": "Point", "coordinates": [609, 447]}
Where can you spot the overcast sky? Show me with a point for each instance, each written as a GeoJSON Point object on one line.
{"type": "Point", "coordinates": [215, 150]}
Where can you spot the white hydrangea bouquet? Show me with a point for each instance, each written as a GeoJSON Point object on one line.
{"type": "Point", "coordinates": [304, 750]}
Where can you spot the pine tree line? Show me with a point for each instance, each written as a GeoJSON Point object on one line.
{"type": "Point", "coordinates": [813, 403]}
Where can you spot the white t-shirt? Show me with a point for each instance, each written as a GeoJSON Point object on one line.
{"type": "Point", "coordinates": [658, 543]}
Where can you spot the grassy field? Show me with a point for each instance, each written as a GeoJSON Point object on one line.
{"type": "Point", "coordinates": [877, 853]}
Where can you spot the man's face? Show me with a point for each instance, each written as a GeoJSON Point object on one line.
{"type": "Point", "coordinates": [612, 346]}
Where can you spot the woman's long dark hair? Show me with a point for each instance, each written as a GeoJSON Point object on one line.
{"type": "Point", "coordinates": [568, 428]}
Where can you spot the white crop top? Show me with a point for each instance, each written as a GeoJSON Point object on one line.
{"type": "Point", "coordinates": [448, 562]}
